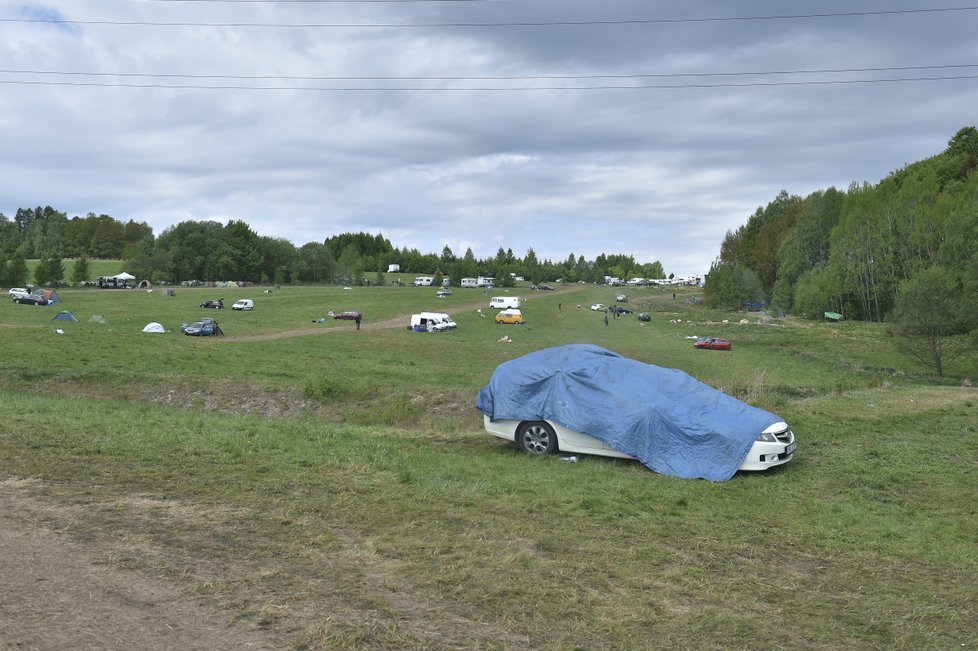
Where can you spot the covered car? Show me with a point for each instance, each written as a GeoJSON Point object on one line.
{"type": "Point", "coordinates": [583, 398]}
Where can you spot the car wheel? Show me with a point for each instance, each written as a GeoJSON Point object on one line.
{"type": "Point", "coordinates": [537, 437]}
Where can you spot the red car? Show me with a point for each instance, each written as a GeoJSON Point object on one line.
{"type": "Point", "coordinates": [712, 343]}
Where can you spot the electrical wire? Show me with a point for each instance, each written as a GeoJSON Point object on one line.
{"type": "Point", "coordinates": [602, 87]}
{"type": "Point", "coordinates": [562, 23]}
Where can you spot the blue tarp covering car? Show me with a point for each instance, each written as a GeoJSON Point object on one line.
{"type": "Point", "coordinates": [671, 422]}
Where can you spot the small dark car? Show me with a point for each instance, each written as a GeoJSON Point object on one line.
{"type": "Point", "coordinates": [712, 343]}
{"type": "Point", "coordinates": [644, 316]}
{"type": "Point", "coordinates": [216, 305]}
{"type": "Point", "coordinates": [31, 299]}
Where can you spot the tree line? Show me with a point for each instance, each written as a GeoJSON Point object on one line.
{"type": "Point", "coordinates": [903, 251]}
{"type": "Point", "coordinates": [210, 250]}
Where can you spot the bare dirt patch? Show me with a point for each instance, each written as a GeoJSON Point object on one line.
{"type": "Point", "coordinates": [57, 594]}
{"type": "Point", "coordinates": [155, 576]}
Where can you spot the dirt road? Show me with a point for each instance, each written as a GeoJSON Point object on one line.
{"type": "Point", "coordinates": [57, 595]}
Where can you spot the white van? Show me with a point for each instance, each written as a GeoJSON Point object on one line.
{"type": "Point", "coordinates": [504, 302]}
{"type": "Point", "coordinates": [244, 304]}
{"type": "Point", "coordinates": [431, 322]}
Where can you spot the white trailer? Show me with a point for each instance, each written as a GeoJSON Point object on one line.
{"type": "Point", "coordinates": [504, 302]}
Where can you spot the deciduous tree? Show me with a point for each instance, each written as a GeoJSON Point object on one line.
{"type": "Point", "coordinates": [935, 312]}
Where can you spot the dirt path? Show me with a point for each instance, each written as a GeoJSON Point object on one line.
{"type": "Point", "coordinates": [304, 332]}
{"type": "Point", "coordinates": [386, 324]}
{"type": "Point", "coordinates": [55, 594]}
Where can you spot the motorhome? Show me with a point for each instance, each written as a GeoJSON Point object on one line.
{"type": "Point", "coordinates": [423, 281]}
{"type": "Point", "coordinates": [469, 282]}
{"type": "Point", "coordinates": [504, 302]}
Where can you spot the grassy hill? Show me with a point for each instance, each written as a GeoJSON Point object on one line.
{"type": "Point", "coordinates": [96, 268]}
{"type": "Point", "coordinates": [333, 488]}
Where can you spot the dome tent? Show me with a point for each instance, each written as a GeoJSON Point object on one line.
{"type": "Point", "coordinates": [153, 327]}
{"type": "Point", "coordinates": [65, 315]}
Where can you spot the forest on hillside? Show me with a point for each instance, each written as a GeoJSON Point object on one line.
{"type": "Point", "coordinates": [903, 251]}
{"type": "Point", "coordinates": [210, 250]}
{"type": "Point", "coordinates": [851, 251]}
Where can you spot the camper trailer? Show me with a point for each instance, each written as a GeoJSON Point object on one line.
{"type": "Point", "coordinates": [504, 302]}
{"type": "Point", "coordinates": [469, 282]}
{"type": "Point", "coordinates": [423, 281]}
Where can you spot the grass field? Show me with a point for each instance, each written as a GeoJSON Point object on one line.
{"type": "Point", "coordinates": [332, 488]}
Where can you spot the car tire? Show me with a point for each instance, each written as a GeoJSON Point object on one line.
{"type": "Point", "coordinates": [536, 437]}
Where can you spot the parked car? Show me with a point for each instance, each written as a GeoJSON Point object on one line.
{"type": "Point", "coordinates": [243, 304]}
{"type": "Point", "coordinates": [598, 307]}
{"type": "Point", "coordinates": [619, 310]}
{"type": "Point", "coordinates": [585, 399]}
{"type": "Point", "coordinates": [30, 299]}
{"type": "Point", "coordinates": [350, 315]}
{"type": "Point", "coordinates": [514, 317]}
{"type": "Point", "coordinates": [217, 305]}
{"type": "Point", "coordinates": [644, 316]}
{"type": "Point", "coordinates": [14, 292]}
{"type": "Point", "coordinates": [774, 446]}
{"type": "Point", "coordinates": [443, 293]}
{"type": "Point", "coordinates": [203, 328]}
{"type": "Point", "coordinates": [712, 343]}
{"type": "Point", "coordinates": [545, 288]}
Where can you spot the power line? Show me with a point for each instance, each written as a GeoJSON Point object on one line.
{"type": "Point", "coordinates": [671, 75]}
{"type": "Point", "coordinates": [604, 87]}
{"type": "Point", "coordinates": [565, 23]}
{"type": "Point", "coordinates": [317, 2]}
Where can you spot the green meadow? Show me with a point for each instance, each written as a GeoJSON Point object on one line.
{"type": "Point", "coordinates": [334, 489]}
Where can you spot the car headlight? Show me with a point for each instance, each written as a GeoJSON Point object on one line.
{"type": "Point", "coordinates": [767, 437]}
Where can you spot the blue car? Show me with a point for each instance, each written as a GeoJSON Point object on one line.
{"type": "Point", "coordinates": [202, 328]}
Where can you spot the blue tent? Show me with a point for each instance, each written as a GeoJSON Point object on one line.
{"type": "Point", "coordinates": [668, 420]}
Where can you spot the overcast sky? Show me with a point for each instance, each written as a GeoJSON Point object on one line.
{"type": "Point", "coordinates": [640, 127]}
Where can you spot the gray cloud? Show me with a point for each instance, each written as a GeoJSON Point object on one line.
{"type": "Point", "coordinates": [494, 160]}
